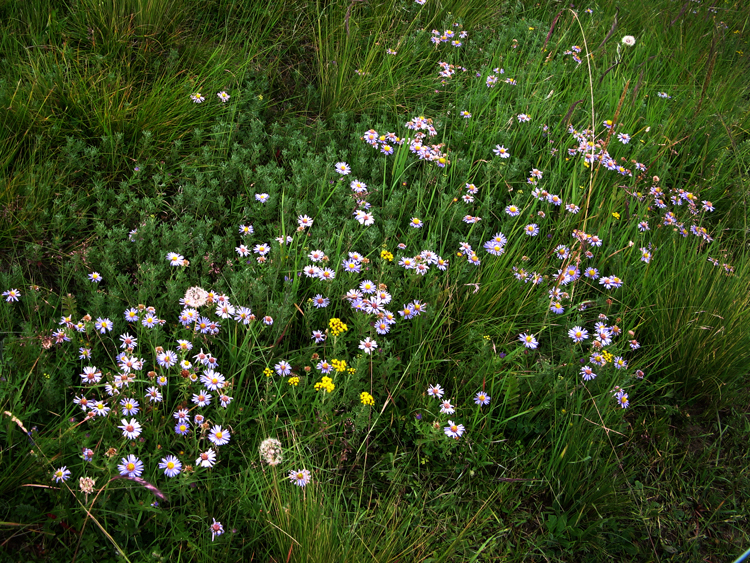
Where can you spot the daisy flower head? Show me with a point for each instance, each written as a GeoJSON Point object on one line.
{"type": "Point", "coordinates": [367, 286]}
{"type": "Point", "coordinates": [100, 409]}
{"type": "Point", "coordinates": [326, 274]}
{"type": "Point", "coordinates": [11, 295]}
{"type": "Point", "coordinates": [562, 252]}
{"type": "Point", "coordinates": [528, 340]}
{"type": "Point", "coordinates": [167, 359]}
{"type": "Point", "coordinates": [153, 394]}
{"type": "Point", "coordinates": [103, 325]}
{"type": "Point", "coordinates": [219, 436]}
{"type": "Point", "coordinates": [591, 273]}
{"type": "Point", "coordinates": [182, 428]}
{"type": "Point", "coordinates": [246, 230]}
{"type": "Point", "coordinates": [435, 391]}
{"type": "Point", "coordinates": [171, 466]}
{"type": "Point", "coordinates": [531, 230]}
{"type": "Point", "coordinates": [624, 138]}
{"type": "Point", "coordinates": [523, 118]}
{"type": "Point", "coordinates": [557, 308]}
{"type": "Point", "coordinates": [261, 249]}
{"type": "Point", "coordinates": [216, 529]}
{"type": "Point", "coordinates": [223, 96]}
{"type": "Point", "coordinates": [598, 359]}
{"type": "Point", "coordinates": [578, 334]}
{"type": "Point", "coordinates": [131, 429]}
{"type": "Point", "coordinates": [304, 221]}
{"type": "Point", "coordinates": [352, 266]}
{"type": "Point", "coordinates": [317, 255]}
{"type": "Point", "coordinates": [175, 259]}
{"type": "Point", "coordinates": [283, 368]}
{"type": "Point", "coordinates": [363, 218]}
{"type": "Point", "coordinates": [62, 474]}
{"type": "Point", "coordinates": [465, 114]}
{"type": "Point", "coordinates": [299, 477]}
{"type": "Point", "coordinates": [501, 151]}
{"type": "Point", "coordinates": [622, 399]}
{"type": "Point", "coordinates": [263, 198]}
{"type": "Point", "coordinates": [587, 373]}
{"type": "Point", "coordinates": [206, 459]}
{"type": "Point", "coordinates": [628, 40]}
{"type": "Point", "coordinates": [343, 168]}
{"type": "Point", "coordinates": [197, 98]}
{"type": "Point", "coordinates": [447, 408]}
{"type": "Point", "coordinates": [482, 398]}
{"type": "Point", "coordinates": [454, 430]}
{"type": "Point", "coordinates": [494, 248]}
{"type": "Point", "coordinates": [319, 336]}
{"type": "Point", "coordinates": [202, 399]}
{"type": "Point", "coordinates": [368, 345]}
{"type": "Point", "coordinates": [91, 375]}
{"type": "Point", "coordinates": [130, 466]}
{"type": "Point", "coordinates": [95, 277]}
{"type": "Point", "coordinates": [131, 315]}
{"type": "Point", "coordinates": [416, 223]}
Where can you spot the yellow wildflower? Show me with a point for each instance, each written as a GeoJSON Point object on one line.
{"type": "Point", "coordinates": [326, 384]}
{"type": "Point", "coordinates": [337, 327]}
{"type": "Point", "coordinates": [338, 365]}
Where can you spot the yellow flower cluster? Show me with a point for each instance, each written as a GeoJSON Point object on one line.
{"type": "Point", "coordinates": [366, 398]}
{"type": "Point", "coordinates": [608, 356]}
{"type": "Point", "coordinates": [293, 381]}
{"type": "Point", "coordinates": [385, 255]}
{"type": "Point", "coordinates": [352, 370]}
{"type": "Point", "coordinates": [268, 372]}
{"type": "Point", "coordinates": [337, 327]}
{"type": "Point", "coordinates": [338, 365]}
{"type": "Point", "coordinates": [326, 383]}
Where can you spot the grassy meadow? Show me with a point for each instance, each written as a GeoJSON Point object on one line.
{"type": "Point", "coordinates": [382, 280]}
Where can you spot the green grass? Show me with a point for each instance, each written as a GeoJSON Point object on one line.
{"type": "Point", "coordinates": [107, 165]}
